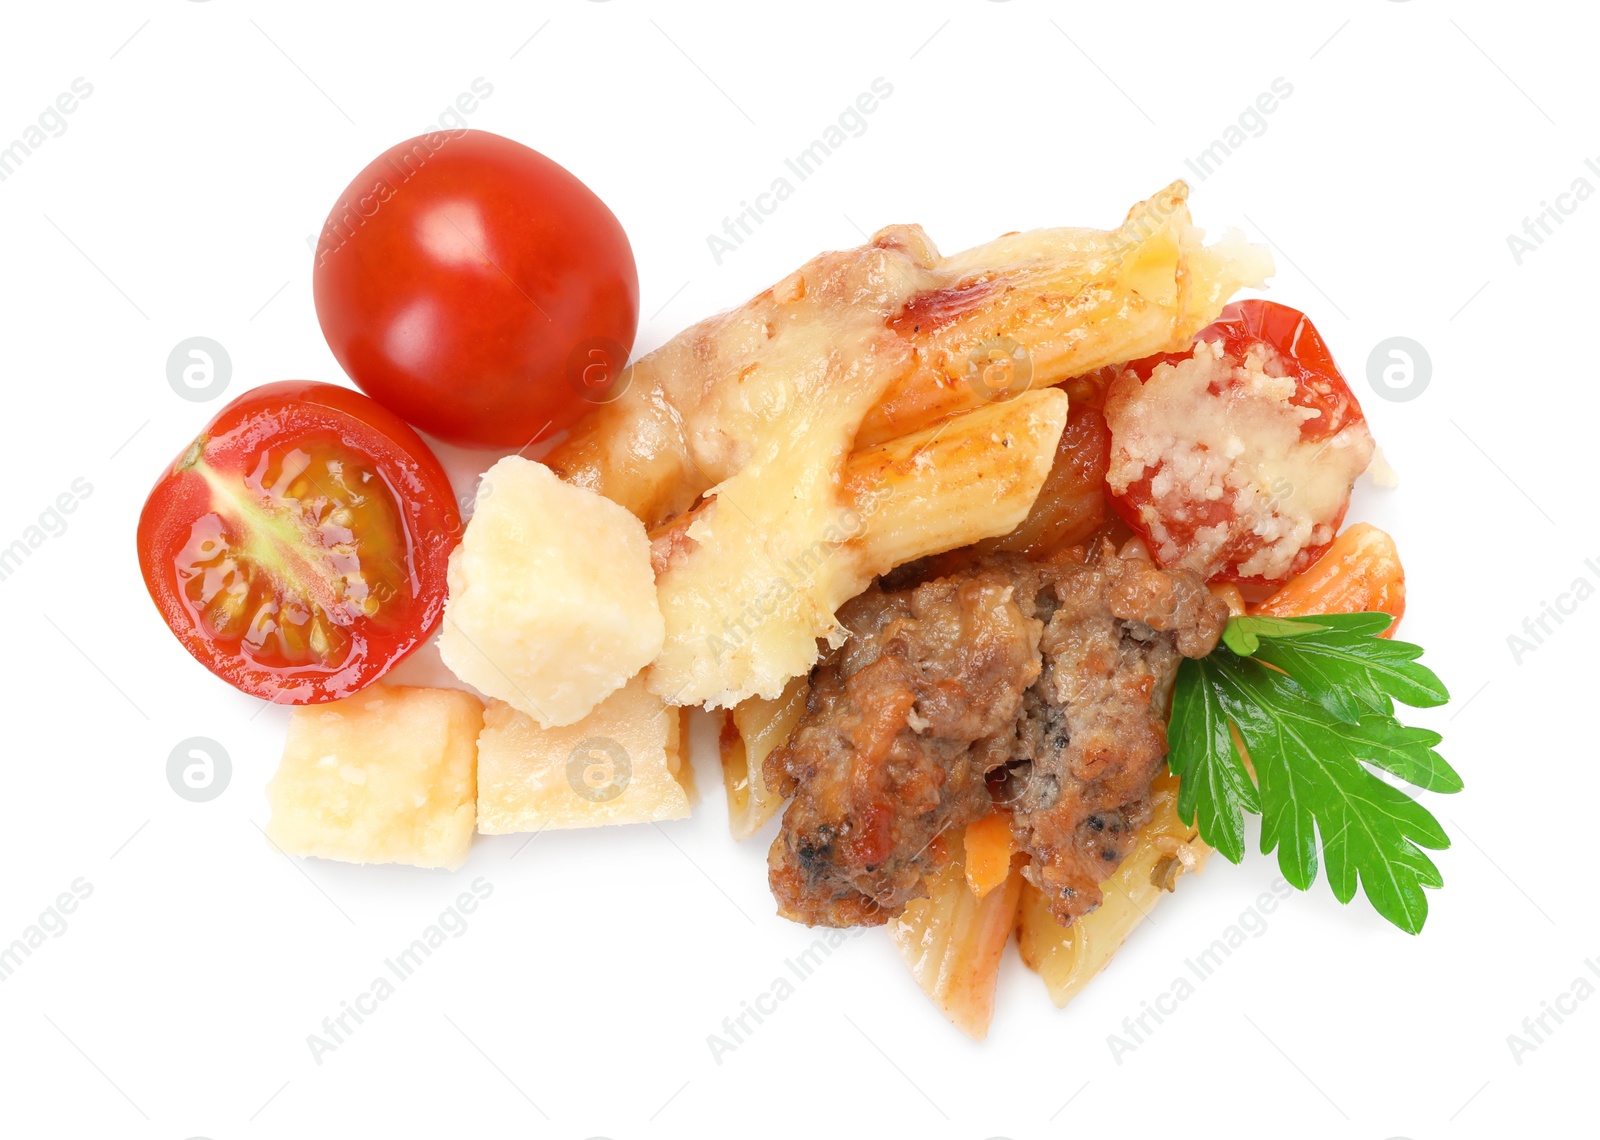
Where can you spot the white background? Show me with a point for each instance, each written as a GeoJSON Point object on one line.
{"type": "Point", "coordinates": [178, 203]}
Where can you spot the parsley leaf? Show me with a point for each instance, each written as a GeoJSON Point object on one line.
{"type": "Point", "coordinates": [1212, 777]}
{"type": "Point", "coordinates": [1243, 634]}
{"type": "Point", "coordinates": [1348, 669]}
{"type": "Point", "coordinates": [1313, 706]}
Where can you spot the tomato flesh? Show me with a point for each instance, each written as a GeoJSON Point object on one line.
{"type": "Point", "coordinates": [298, 547]}
{"type": "Point", "coordinates": [471, 285]}
{"type": "Point", "coordinates": [1235, 458]}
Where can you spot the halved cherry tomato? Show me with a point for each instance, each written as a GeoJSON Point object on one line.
{"type": "Point", "coordinates": [297, 548]}
{"type": "Point", "coordinates": [1305, 356]}
{"type": "Point", "coordinates": [1236, 461]}
{"type": "Point", "coordinates": [477, 289]}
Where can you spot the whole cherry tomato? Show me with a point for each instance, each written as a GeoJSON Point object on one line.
{"type": "Point", "coordinates": [476, 288]}
{"type": "Point", "coordinates": [297, 548]}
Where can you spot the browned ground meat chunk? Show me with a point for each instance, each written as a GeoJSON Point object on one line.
{"type": "Point", "coordinates": [1093, 734]}
{"type": "Point", "coordinates": [1041, 685]}
{"type": "Point", "coordinates": [900, 726]}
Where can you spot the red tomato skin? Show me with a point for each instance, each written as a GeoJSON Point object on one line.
{"type": "Point", "coordinates": [1255, 321]}
{"type": "Point", "coordinates": [273, 411]}
{"type": "Point", "coordinates": [1320, 385]}
{"type": "Point", "coordinates": [461, 275]}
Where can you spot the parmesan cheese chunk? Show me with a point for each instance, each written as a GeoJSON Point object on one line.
{"type": "Point", "coordinates": [623, 763]}
{"type": "Point", "coordinates": [385, 776]}
{"type": "Point", "coordinates": [552, 603]}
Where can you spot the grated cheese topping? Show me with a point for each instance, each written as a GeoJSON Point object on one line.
{"type": "Point", "coordinates": [1231, 483]}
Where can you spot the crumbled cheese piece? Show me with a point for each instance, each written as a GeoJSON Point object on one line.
{"type": "Point", "coordinates": [1228, 472]}
{"type": "Point", "coordinates": [1380, 472]}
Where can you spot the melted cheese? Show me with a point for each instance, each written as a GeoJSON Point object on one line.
{"type": "Point", "coordinates": [757, 411]}
{"type": "Point", "coordinates": [1207, 431]}
{"type": "Point", "coordinates": [767, 564]}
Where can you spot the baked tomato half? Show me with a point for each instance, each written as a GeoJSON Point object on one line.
{"type": "Point", "coordinates": [1235, 458]}
{"type": "Point", "coordinates": [297, 548]}
{"type": "Point", "coordinates": [476, 288]}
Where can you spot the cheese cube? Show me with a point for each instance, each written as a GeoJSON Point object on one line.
{"type": "Point", "coordinates": [552, 601]}
{"type": "Point", "coordinates": [623, 763]}
{"type": "Point", "coordinates": [385, 776]}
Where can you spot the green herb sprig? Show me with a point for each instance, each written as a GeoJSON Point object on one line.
{"type": "Point", "coordinates": [1311, 699]}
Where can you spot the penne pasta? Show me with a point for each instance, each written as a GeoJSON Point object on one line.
{"type": "Point", "coordinates": [751, 730]}
{"type": "Point", "coordinates": [744, 623]}
{"type": "Point", "coordinates": [1074, 300]}
{"type": "Point", "coordinates": [973, 477]}
{"type": "Point", "coordinates": [905, 494]}
{"type": "Point", "coordinates": [1068, 958]}
{"type": "Point", "coordinates": [953, 943]}
{"type": "Point", "coordinates": [925, 336]}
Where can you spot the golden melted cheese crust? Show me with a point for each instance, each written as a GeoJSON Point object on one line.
{"type": "Point", "coordinates": [758, 410]}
